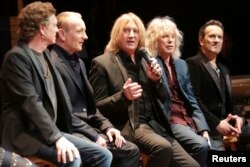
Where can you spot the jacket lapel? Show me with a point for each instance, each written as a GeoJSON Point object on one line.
{"type": "Point", "coordinates": [179, 73]}
{"type": "Point", "coordinates": [167, 103]}
{"type": "Point", "coordinates": [40, 72]}
{"type": "Point", "coordinates": [68, 68]}
{"type": "Point", "coordinates": [116, 59]}
{"type": "Point", "coordinates": [35, 62]}
{"type": "Point", "coordinates": [227, 79]}
{"type": "Point", "coordinates": [213, 75]}
{"type": "Point", "coordinates": [85, 80]}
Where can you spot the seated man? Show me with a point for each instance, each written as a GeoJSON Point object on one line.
{"type": "Point", "coordinates": [88, 123]}
{"type": "Point", "coordinates": [212, 85]}
{"type": "Point", "coordinates": [188, 124]}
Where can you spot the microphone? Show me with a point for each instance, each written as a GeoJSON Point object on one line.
{"type": "Point", "coordinates": [143, 53]}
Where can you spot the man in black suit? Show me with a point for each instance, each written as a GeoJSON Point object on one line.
{"type": "Point", "coordinates": [212, 85]}
{"type": "Point", "coordinates": [88, 122]}
{"type": "Point", "coordinates": [35, 103]}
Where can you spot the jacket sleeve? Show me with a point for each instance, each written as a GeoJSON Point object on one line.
{"type": "Point", "coordinates": [99, 121]}
{"type": "Point", "coordinates": [198, 116]}
{"type": "Point", "coordinates": [82, 127]}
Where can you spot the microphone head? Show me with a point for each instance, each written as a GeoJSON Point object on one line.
{"type": "Point", "coordinates": [143, 53]}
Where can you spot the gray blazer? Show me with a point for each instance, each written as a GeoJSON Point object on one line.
{"type": "Point", "coordinates": [28, 117]}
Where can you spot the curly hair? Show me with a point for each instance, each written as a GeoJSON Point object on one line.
{"type": "Point", "coordinates": [157, 28]}
{"type": "Point", "coordinates": [31, 17]}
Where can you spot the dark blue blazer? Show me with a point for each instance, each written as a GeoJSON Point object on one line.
{"type": "Point", "coordinates": [88, 123]}
{"type": "Point", "coordinates": [187, 92]}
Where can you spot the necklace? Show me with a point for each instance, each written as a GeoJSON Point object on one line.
{"type": "Point", "coordinates": [216, 69]}
{"type": "Point", "coordinates": [46, 70]}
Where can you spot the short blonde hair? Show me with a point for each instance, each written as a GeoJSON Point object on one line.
{"type": "Point", "coordinates": [157, 28]}
{"type": "Point", "coordinates": [64, 18]}
{"type": "Point", "coordinates": [120, 23]}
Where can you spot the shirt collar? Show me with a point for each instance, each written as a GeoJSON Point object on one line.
{"type": "Point", "coordinates": [68, 56]}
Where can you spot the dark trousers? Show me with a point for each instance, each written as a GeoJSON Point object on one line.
{"type": "Point", "coordinates": [128, 155]}
{"type": "Point", "coordinates": [163, 150]}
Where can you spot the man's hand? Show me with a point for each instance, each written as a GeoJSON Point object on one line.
{"type": "Point", "coordinates": [205, 134]}
{"type": "Point", "coordinates": [101, 142]}
{"type": "Point", "coordinates": [66, 151]}
{"type": "Point", "coordinates": [238, 121]}
{"type": "Point", "coordinates": [112, 134]}
{"type": "Point", "coordinates": [224, 128]}
{"type": "Point", "coordinates": [132, 90]}
{"type": "Point", "coordinates": [154, 71]}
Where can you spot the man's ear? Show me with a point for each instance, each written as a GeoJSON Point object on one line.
{"type": "Point", "coordinates": [43, 30]}
{"type": "Point", "coordinates": [61, 34]}
{"type": "Point", "coordinates": [201, 39]}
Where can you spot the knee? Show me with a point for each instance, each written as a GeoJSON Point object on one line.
{"type": "Point", "coordinates": [134, 150]}
{"type": "Point", "coordinates": [107, 155]}
{"type": "Point", "coordinates": [202, 146]}
{"type": "Point", "coordinates": [76, 162]}
{"type": "Point", "coordinates": [107, 158]}
{"type": "Point", "coordinates": [164, 149]}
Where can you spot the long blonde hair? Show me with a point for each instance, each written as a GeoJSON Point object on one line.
{"type": "Point", "coordinates": [120, 23]}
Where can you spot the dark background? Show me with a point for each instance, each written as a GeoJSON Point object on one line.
{"type": "Point", "coordinates": [99, 16]}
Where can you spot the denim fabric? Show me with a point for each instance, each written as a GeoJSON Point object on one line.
{"type": "Point", "coordinates": [193, 143]}
{"type": "Point", "coordinates": [92, 155]}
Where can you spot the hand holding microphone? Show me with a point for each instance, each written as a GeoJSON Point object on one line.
{"type": "Point", "coordinates": [143, 53]}
{"type": "Point", "coordinates": [153, 69]}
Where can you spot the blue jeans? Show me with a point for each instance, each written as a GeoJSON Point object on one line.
{"type": "Point", "coordinates": [92, 155]}
{"type": "Point", "coordinates": [193, 143]}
